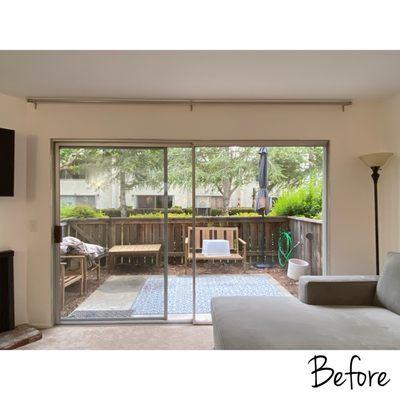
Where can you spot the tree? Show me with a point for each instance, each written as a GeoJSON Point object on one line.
{"type": "Point", "coordinates": [293, 166]}
{"type": "Point", "coordinates": [130, 168]}
{"type": "Point", "coordinates": [225, 169]}
{"type": "Point", "coordinates": [72, 159]}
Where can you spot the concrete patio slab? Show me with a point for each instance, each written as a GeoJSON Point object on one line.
{"type": "Point", "coordinates": [118, 292]}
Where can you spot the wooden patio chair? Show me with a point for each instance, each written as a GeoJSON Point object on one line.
{"type": "Point", "coordinates": [69, 279]}
{"type": "Point", "coordinates": [94, 266]}
{"type": "Point", "coordinates": [225, 233]}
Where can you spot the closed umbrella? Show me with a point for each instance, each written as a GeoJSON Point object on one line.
{"type": "Point", "coordinates": [262, 204]}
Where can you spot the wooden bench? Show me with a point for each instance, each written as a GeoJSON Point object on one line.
{"type": "Point", "coordinates": [225, 233]}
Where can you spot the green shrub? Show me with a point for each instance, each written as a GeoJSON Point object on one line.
{"type": "Point", "coordinates": [80, 211]}
{"type": "Point", "coordinates": [159, 214]}
{"type": "Point", "coordinates": [247, 214]}
{"type": "Point", "coordinates": [216, 212]}
{"type": "Point", "coordinates": [176, 210]}
{"type": "Point", "coordinates": [305, 201]}
{"type": "Point", "coordinates": [240, 210]}
{"type": "Point", "coordinates": [111, 212]}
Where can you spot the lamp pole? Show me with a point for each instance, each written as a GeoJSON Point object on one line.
{"type": "Point", "coordinates": [376, 161]}
{"type": "Point", "coordinates": [375, 176]}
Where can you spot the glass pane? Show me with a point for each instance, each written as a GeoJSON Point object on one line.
{"type": "Point", "coordinates": [111, 264]}
{"type": "Point", "coordinates": [180, 280]}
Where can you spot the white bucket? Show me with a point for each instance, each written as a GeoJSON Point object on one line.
{"type": "Point", "coordinates": [297, 268]}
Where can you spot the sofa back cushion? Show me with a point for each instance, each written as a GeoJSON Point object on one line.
{"type": "Point", "coordinates": [388, 287]}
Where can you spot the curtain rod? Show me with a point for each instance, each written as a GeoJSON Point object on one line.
{"type": "Point", "coordinates": [189, 102]}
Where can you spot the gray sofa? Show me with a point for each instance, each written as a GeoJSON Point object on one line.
{"type": "Point", "coordinates": [333, 312]}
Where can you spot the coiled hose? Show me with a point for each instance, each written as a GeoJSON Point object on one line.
{"type": "Point", "coordinates": [285, 248]}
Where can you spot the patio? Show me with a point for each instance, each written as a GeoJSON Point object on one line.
{"type": "Point", "coordinates": [116, 295]}
{"type": "Point", "coordinates": [134, 287]}
{"type": "Point", "coordinates": [136, 296]}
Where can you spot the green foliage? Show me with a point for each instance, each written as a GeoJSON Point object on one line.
{"type": "Point", "coordinates": [222, 169]}
{"type": "Point", "coordinates": [225, 169]}
{"type": "Point", "coordinates": [72, 159]}
{"type": "Point", "coordinates": [159, 214]}
{"type": "Point", "coordinates": [240, 210]}
{"type": "Point", "coordinates": [216, 212]}
{"type": "Point", "coordinates": [113, 212]}
{"type": "Point", "coordinates": [80, 211]}
{"type": "Point", "coordinates": [130, 168]}
{"type": "Point", "coordinates": [293, 166]}
{"type": "Point", "coordinates": [305, 201]}
{"type": "Point", "coordinates": [177, 210]}
{"type": "Point", "coordinates": [246, 214]}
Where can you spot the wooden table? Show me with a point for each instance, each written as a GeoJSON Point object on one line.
{"type": "Point", "coordinates": [133, 250]}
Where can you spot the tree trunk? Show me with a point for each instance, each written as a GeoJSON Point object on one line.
{"type": "Point", "coordinates": [226, 195]}
{"type": "Point", "coordinates": [122, 195]}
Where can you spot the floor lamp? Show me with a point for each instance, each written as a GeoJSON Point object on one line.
{"type": "Point", "coordinates": [376, 161]}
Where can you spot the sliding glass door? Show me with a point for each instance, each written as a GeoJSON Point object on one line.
{"type": "Point", "coordinates": [154, 232]}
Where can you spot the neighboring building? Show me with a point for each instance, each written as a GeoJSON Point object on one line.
{"type": "Point", "coordinates": [90, 188]}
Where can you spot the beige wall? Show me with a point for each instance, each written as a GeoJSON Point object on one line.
{"type": "Point", "coordinates": [389, 188]}
{"type": "Point", "coordinates": [13, 221]}
{"type": "Point", "coordinates": [351, 133]}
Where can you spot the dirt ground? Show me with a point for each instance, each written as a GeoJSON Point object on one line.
{"type": "Point", "coordinates": [74, 299]}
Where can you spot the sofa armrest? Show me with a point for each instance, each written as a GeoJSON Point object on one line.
{"type": "Point", "coordinates": [348, 290]}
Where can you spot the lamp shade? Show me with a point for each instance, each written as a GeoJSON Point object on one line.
{"type": "Point", "coordinates": [375, 159]}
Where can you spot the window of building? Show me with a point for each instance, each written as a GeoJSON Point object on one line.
{"type": "Point", "coordinates": [79, 201]}
{"type": "Point", "coordinates": [209, 202]}
{"type": "Point", "coordinates": [153, 201]}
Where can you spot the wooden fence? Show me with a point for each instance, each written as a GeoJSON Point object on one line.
{"type": "Point", "coordinates": [108, 232]}
{"type": "Point", "coordinates": [309, 233]}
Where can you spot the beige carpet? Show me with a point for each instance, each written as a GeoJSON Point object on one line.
{"type": "Point", "coordinates": [125, 337]}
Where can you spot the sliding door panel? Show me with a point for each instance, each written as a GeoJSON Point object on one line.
{"type": "Point", "coordinates": [250, 203]}
{"type": "Point", "coordinates": [113, 204]}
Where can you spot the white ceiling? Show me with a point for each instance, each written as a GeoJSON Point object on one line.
{"type": "Point", "coordinates": [201, 74]}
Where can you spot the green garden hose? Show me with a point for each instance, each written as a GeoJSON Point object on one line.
{"type": "Point", "coordinates": [285, 248]}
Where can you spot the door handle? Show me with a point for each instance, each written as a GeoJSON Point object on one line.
{"type": "Point", "coordinates": [57, 234]}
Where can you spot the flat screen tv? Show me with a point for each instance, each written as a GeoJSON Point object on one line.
{"type": "Point", "coordinates": [7, 143]}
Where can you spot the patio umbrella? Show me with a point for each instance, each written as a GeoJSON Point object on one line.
{"type": "Point", "coordinates": [262, 204]}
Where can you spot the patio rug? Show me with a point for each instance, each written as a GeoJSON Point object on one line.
{"type": "Point", "coordinates": [150, 299]}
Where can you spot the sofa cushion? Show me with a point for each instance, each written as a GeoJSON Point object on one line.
{"type": "Point", "coordinates": [348, 290]}
{"type": "Point", "coordinates": [255, 323]}
{"type": "Point", "coordinates": [388, 287]}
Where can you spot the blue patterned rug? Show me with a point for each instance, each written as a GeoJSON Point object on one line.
{"type": "Point", "coordinates": [150, 300]}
